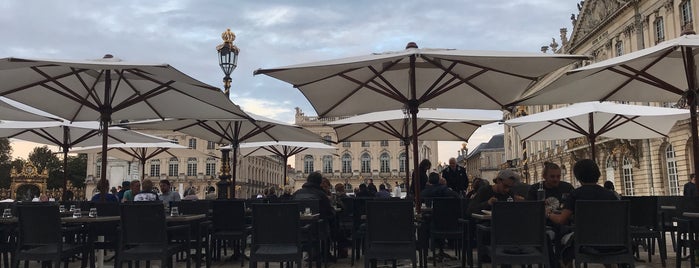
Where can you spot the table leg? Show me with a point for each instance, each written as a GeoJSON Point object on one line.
{"type": "Point", "coordinates": [100, 253]}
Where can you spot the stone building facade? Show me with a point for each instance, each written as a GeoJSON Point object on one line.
{"type": "Point", "coordinates": [199, 168]}
{"type": "Point", "coordinates": [381, 161]}
{"type": "Point", "coordinates": [604, 29]}
{"type": "Point", "coordinates": [486, 159]}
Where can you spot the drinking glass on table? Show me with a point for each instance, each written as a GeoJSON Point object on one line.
{"type": "Point", "coordinates": [174, 211]}
{"type": "Point", "coordinates": [72, 208]}
{"type": "Point", "coordinates": [93, 213]}
{"type": "Point", "coordinates": [308, 211]}
{"type": "Point", "coordinates": [77, 213]}
{"type": "Point", "coordinates": [7, 213]}
{"type": "Point", "coordinates": [61, 208]}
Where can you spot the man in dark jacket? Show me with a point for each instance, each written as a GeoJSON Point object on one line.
{"type": "Point", "coordinates": [312, 190]}
{"type": "Point", "coordinates": [456, 177]}
{"type": "Point", "coordinates": [437, 188]}
{"type": "Point", "coordinates": [690, 188]}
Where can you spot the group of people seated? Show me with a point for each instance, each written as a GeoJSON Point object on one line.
{"type": "Point", "coordinates": [135, 191]}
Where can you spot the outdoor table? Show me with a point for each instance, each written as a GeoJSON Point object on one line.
{"type": "Point", "coordinates": [90, 222]}
{"type": "Point", "coordinates": [693, 215]}
{"type": "Point", "coordinates": [193, 221]}
{"type": "Point", "coordinates": [485, 217]}
{"type": "Point", "coordinates": [668, 207]}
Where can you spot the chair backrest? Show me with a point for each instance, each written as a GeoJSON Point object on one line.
{"type": "Point", "coordinates": [193, 206]}
{"type": "Point", "coordinates": [602, 223]}
{"type": "Point", "coordinates": [389, 222]}
{"type": "Point", "coordinates": [358, 209]}
{"type": "Point", "coordinates": [643, 211]}
{"type": "Point", "coordinates": [464, 208]}
{"type": "Point", "coordinates": [670, 201]}
{"type": "Point", "coordinates": [228, 214]}
{"type": "Point", "coordinates": [39, 223]}
{"type": "Point", "coordinates": [347, 208]}
{"type": "Point", "coordinates": [518, 223]}
{"type": "Point", "coordinates": [276, 223]}
{"type": "Point", "coordinates": [688, 204]}
{"type": "Point", "coordinates": [445, 214]}
{"type": "Point", "coordinates": [143, 223]}
{"type": "Point", "coordinates": [106, 208]}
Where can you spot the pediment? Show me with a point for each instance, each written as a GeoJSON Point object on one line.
{"type": "Point", "coordinates": [594, 14]}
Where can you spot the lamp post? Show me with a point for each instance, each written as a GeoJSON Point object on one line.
{"type": "Point", "coordinates": [228, 60]}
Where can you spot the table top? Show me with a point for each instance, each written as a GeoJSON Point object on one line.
{"type": "Point", "coordinates": [481, 216]}
{"type": "Point", "coordinates": [668, 207]}
{"type": "Point", "coordinates": [311, 217]}
{"type": "Point", "coordinates": [691, 215]}
{"type": "Point", "coordinates": [184, 218]}
{"type": "Point", "coordinates": [84, 219]}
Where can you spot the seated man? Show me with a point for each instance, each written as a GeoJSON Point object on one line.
{"type": "Point", "coordinates": [437, 187]}
{"type": "Point", "coordinates": [499, 191]}
{"type": "Point", "coordinates": [147, 193]}
{"type": "Point", "coordinates": [554, 189]}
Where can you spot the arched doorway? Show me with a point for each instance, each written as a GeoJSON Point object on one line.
{"type": "Point", "coordinates": [26, 192]}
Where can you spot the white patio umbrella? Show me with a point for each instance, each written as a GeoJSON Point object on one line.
{"type": "Point", "coordinates": [232, 132]}
{"type": "Point", "coordinates": [418, 78]}
{"type": "Point", "coordinates": [67, 135]}
{"type": "Point", "coordinates": [140, 151]}
{"type": "Point", "coordinates": [8, 111]}
{"type": "Point", "coordinates": [598, 119]}
{"type": "Point", "coordinates": [662, 73]}
{"type": "Point", "coordinates": [433, 125]}
{"type": "Point", "coordinates": [284, 150]}
{"type": "Point", "coordinates": [109, 90]}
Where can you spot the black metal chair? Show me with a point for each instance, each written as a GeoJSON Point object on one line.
{"type": "Point", "coordinates": [518, 234]}
{"type": "Point", "coordinates": [468, 234]}
{"type": "Point", "coordinates": [602, 233]}
{"type": "Point", "coordinates": [194, 207]}
{"type": "Point", "coordinates": [645, 226]}
{"type": "Point", "coordinates": [41, 236]}
{"type": "Point", "coordinates": [316, 240]}
{"type": "Point", "coordinates": [144, 235]}
{"type": "Point", "coordinates": [358, 226]}
{"type": "Point", "coordinates": [108, 230]}
{"type": "Point", "coordinates": [687, 231]}
{"type": "Point", "coordinates": [228, 217]}
{"type": "Point", "coordinates": [8, 235]}
{"type": "Point", "coordinates": [668, 216]}
{"type": "Point", "coordinates": [272, 241]}
{"type": "Point", "coordinates": [390, 231]}
{"type": "Point", "coordinates": [444, 224]}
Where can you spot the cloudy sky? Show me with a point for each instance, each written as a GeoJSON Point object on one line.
{"type": "Point", "coordinates": [184, 33]}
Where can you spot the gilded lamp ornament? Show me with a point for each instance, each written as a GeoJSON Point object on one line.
{"type": "Point", "coordinates": [227, 58]}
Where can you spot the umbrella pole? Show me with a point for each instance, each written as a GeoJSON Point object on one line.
{"type": "Point", "coordinates": [65, 170]}
{"type": "Point", "coordinates": [406, 142]}
{"type": "Point", "coordinates": [105, 117]}
{"type": "Point", "coordinates": [690, 70]}
{"type": "Point", "coordinates": [591, 137]}
{"type": "Point", "coordinates": [143, 168]}
{"type": "Point", "coordinates": [413, 107]}
{"type": "Point", "coordinates": [223, 185]}
{"type": "Point", "coordinates": [233, 169]}
{"type": "Point", "coordinates": [284, 174]}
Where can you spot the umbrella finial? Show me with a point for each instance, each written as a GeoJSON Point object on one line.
{"type": "Point", "coordinates": [108, 56]}
{"type": "Point", "coordinates": [411, 45]}
{"type": "Point", "coordinates": [688, 32]}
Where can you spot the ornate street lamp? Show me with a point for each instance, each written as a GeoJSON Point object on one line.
{"type": "Point", "coordinates": [228, 60]}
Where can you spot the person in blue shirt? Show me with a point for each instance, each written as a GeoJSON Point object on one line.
{"type": "Point", "coordinates": [106, 196]}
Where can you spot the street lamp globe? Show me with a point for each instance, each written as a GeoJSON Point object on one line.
{"type": "Point", "coordinates": [227, 58]}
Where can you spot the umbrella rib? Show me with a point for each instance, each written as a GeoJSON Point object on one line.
{"type": "Point", "coordinates": [116, 87]}
{"type": "Point", "coordinates": [323, 78]}
{"type": "Point", "coordinates": [255, 150]}
{"type": "Point", "coordinates": [82, 138]}
{"type": "Point", "coordinates": [572, 126]}
{"type": "Point", "coordinates": [551, 123]}
{"type": "Point", "coordinates": [297, 150]}
{"type": "Point", "coordinates": [388, 84]}
{"type": "Point", "coordinates": [611, 124]}
{"type": "Point", "coordinates": [90, 91]}
{"type": "Point", "coordinates": [367, 125]}
{"type": "Point", "coordinates": [136, 93]}
{"type": "Point", "coordinates": [53, 78]}
{"type": "Point", "coordinates": [69, 93]}
{"type": "Point", "coordinates": [643, 125]}
{"type": "Point", "coordinates": [392, 129]}
{"type": "Point", "coordinates": [46, 135]}
{"type": "Point", "coordinates": [259, 130]}
{"type": "Point", "coordinates": [441, 126]}
{"type": "Point", "coordinates": [132, 154]}
{"type": "Point", "coordinates": [439, 79]}
{"type": "Point", "coordinates": [382, 90]}
{"type": "Point", "coordinates": [361, 84]}
{"type": "Point", "coordinates": [463, 80]}
{"type": "Point", "coordinates": [136, 98]}
{"type": "Point", "coordinates": [632, 78]}
{"type": "Point", "coordinates": [223, 133]}
{"type": "Point", "coordinates": [448, 86]}
{"type": "Point", "coordinates": [383, 127]}
{"type": "Point", "coordinates": [495, 70]}
{"type": "Point", "coordinates": [660, 83]}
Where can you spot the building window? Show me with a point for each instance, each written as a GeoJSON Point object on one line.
{"type": "Point", "coordinates": [401, 162]}
{"type": "Point", "coordinates": [210, 145]}
{"type": "Point", "coordinates": [210, 166]}
{"type": "Point", "coordinates": [191, 166]}
{"type": "Point", "coordinates": [173, 167]}
{"type": "Point", "coordinates": [192, 143]}
{"type": "Point", "coordinates": [619, 48]}
{"type": "Point", "coordinates": [346, 163]}
{"type": "Point", "coordinates": [627, 175]}
{"type": "Point", "coordinates": [98, 167]}
{"type": "Point", "coordinates": [346, 144]}
{"type": "Point", "coordinates": [384, 143]}
{"type": "Point", "coordinates": [155, 168]}
{"type": "Point", "coordinates": [327, 164]}
{"type": "Point", "coordinates": [327, 139]}
{"type": "Point", "coordinates": [365, 144]}
{"type": "Point", "coordinates": [366, 163]}
{"type": "Point", "coordinates": [671, 164]}
{"type": "Point", "coordinates": [686, 13]}
{"type": "Point", "coordinates": [659, 30]}
{"type": "Point", "coordinates": [385, 161]}
{"type": "Point", "coordinates": [610, 169]}
{"type": "Point", "coordinates": [308, 164]}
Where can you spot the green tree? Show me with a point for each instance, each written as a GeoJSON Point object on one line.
{"type": "Point", "coordinates": [77, 169]}
{"type": "Point", "coordinates": [44, 159]}
{"type": "Point", "coordinates": [5, 166]}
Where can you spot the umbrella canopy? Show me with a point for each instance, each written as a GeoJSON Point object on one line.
{"type": "Point", "coordinates": [418, 78]}
{"type": "Point", "coordinates": [433, 125]}
{"type": "Point", "coordinates": [140, 151]}
{"type": "Point", "coordinates": [595, 119]}
{"type": "Point", "coordinates": [232, 132]}
{"type": "Point", "coordinates": [67, 135]}
{"type": "Point", "coordinates": [110, 89]}
{"type": "Point", "coordinates": [11, 112]}
{"type": "Point", "coordinates": [663, 73]}
{"type": "Point", "coordinates": [284, 150]}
